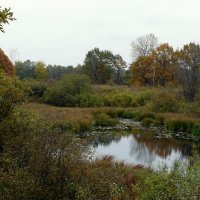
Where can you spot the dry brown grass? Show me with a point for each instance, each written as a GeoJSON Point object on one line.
{"type": "Point", "coordinates": [62, 113]}
{"type": "Point", "coordinates": [102, 89]}
{"type": "Point", "coordinates": [179, 116]}
{"type": "Point", "coordinates": [66, 114]}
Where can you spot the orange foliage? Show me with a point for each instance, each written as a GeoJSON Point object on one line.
{"type": "Point", "coordinates": [6, 64]}
{"type": "Point", "coordinates": [157, 68]}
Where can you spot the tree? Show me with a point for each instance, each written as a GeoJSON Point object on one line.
{"type": "Point", "coordinates": [144, 45]}
{"type": "Point", "coordinates": [157, 68]}
{"type": "Point", "coordinates": [142, 71]}
{"type": "Point", "coordinates": [6, 65]}
{"type": "Point", "coordinates": [119, 66]}
{"type": "Point", "coordinates": [164, 62]}
{"type": "Point", "coordinates": [188, 59]}
{"type": "Point", "coordinates": [103, 66]}
{"type": "Point", "coordinates": [5, 16]}
{"type": "Point", "coordinates": [57, 71]}
{"type": "Point", "coordinates": [25, 69]}
{"type": "Point", "coordinates": [98, 65]}
{"type": "Point", "coordinates": [40, 71]}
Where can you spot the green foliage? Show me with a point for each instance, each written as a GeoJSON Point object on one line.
{"type": "Point", "coordinates": [71, 90]}
{"type": "Point", "coordinates": [24, 70]}
{"type": "Point", "coordinates": [89, 100]}
{"type": "Point", "coordinates": [126, 99]}
{"type": "Point", "coordinates": [35, 89]}
{"type": "Point", "coordinates": [5, 16]}
{"type": "Point", "coordinates": [103, 119]}
{"type": "Point", "coordinates": [170, 185]}
{"type": "Point", "coordinates": [11, 94]}
{"type": "Point", "coordinates": [40, 71]}
{"type": "Point", "coordinates": [196, 129]}
{"type": "Point", "coordinates": [156, 186]}
{"type": "Point", "coordinates": [164, 102]}
{"type": "Point", "coordinates": [143, 98]}
{"type": "Point", "coordinates": [184, 125]}
{"type": "Point", "coordinates": [119, 99]}
{"type": "Point", "coordinates": [79, 126]}
{"type": "Point", "coordinates": [127, 114]}
{"type": "Point", "coordinates": [117, 192]}
{"type": "Point", "coordinates": [56, 72]}
{"type": "Point", "coordinates": [148, 121]}
{"type": "Point", "coordinates": [102, 66]}
{"type": "Point", "coordinates": [142, 115]}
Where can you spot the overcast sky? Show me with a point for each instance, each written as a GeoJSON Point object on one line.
{"type": "Point", "coordinates": [63, 31]}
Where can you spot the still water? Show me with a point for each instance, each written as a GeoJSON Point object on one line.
{"type": "Point", "coordinates": [140, 149]}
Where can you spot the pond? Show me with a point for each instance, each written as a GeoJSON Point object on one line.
{"type": "Point", "coordinates": [143, 149]}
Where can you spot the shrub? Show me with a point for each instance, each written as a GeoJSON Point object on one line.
{"type": "Point", "coordinates": [103, 119]}
{"type": "Point", "coordinates": [170, 185]}
{"type": "Point", "coordinates": [159, 121]}
{"type": "Point", "coordinates": [89, 100]}
{"type": "Point", "coordinates": [140, 116]}
{"type": "Point", "coordinates": [156, 186]}
{"type": "Point", "coordinates": [113, 113]}
{"type": "Point", "coordinates": [35, 89]}
{"type": "Point", "coordinates": [127, 114]}
{"type": "Point", "coordinates": [147, 121]}
{"type": "Point", "coordinates": [164, 102]}
{"type": "Point", "coordinates": [11, 94]}
{"type": "Point", "coordinates": [71, 90]}
{"type": "Point", "coordinates": [119, 99]}
{"type": "Point", "coordinates": [143, 98]}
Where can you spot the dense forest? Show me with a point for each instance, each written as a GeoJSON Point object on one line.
{"type": "Point", "coordinates": [48, 114]}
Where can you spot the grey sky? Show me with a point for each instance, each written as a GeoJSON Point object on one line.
{"type": "Point", "coordinates": [62, 31]}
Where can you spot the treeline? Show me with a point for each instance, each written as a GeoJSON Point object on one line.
{"type": "Point", "coordinates": [102, 67]}
{"type": "Point", "coordinates": [29, 69]}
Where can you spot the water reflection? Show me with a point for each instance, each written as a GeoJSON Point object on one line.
{"type": "Point", "coordinates": [143, 150]}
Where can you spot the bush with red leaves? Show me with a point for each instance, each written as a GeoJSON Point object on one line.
{"type": "Point", "coordinates": [6, 65]}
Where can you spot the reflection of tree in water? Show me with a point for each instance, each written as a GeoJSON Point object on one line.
{"type": "Point", "coordinates": [144, 149]}
{"type": "Point", "coordinates": [140, 151]}
{"type": "Point", "coordinates": [105, 140]}
{"type": "Point", "coordinates": [147, 148]}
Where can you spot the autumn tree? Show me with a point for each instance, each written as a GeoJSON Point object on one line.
{"type": "Point", "coordinates": [40, 71]}
{"type": "Point", "coordinates": [155, 69]}
{"type": "Point", "coordinates": [144, 45]}
{"type": "Point", "coordinates": [5, 16]}
{"type": "Point", "coordinates": [164, 61]}
{"type": "Point", "coordinates": [143, 71]}
{"type": "Point", "coordinates": [6, 65]}
{"type": "Point", "coordinates": [188, 59]}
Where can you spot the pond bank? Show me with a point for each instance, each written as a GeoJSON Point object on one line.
{"type": "Point", "coordinates": [158, 132]}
